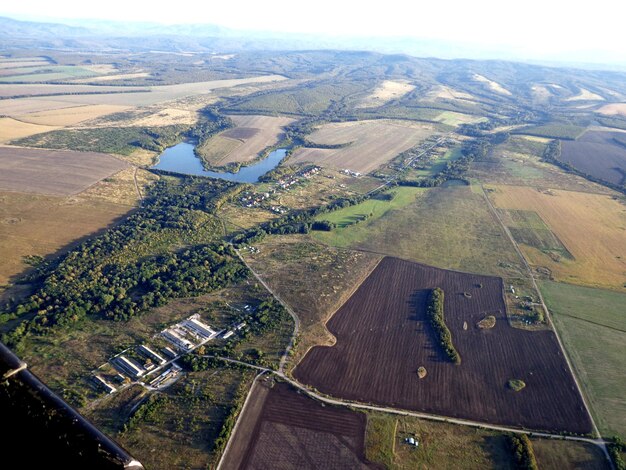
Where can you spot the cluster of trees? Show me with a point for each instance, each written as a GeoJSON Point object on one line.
{"type": "Point", "coordinates": [616, 447]}
{"type": "Point", "coordinates": [120, 140]}
{"type": "Point", "coordinates": [297, 222]}
{"type": "Point", "coordinates": [150, 411]}
{"type": "Point", "coordinates": [479, 129]}
{"type": "Point", "coordinates": [434, 312]}
{"type": "Point", "coordinates": [552, 154]}
{"type": "Point", "coordinates": [209, 123]}
{"type": "Point", "coordinates": [121, 273]}
{"type": "Point", "coordinates": [231, 418]}
{"type": "Point", "coordinates": [523, 452]}
{"type": "Point", "coordinates": [267, 316]}
{"type": "Point", "coordinates": [471, 150]}
{"type": "Point", "coordinates": [324, 225]}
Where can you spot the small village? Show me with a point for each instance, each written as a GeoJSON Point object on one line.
{"type": "Point", "coordinates": [253, 199]}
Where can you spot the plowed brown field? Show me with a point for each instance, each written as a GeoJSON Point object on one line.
{"type": "Point", "coordinates": [383, 337]}
{"type": "Point", "coordinates": [283, 429]}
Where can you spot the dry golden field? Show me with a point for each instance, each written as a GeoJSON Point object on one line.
{"type": "Point", "coordinates": [372, 143]}
{"type": "Point", "coordinates": [19, 106]}
{"type": "Point", "coordinates": [109, 78]}
{"type": "Point", "coordinates": [33, 224]}
{"type": "Point", "coordinates": [11, 129]}
{"type": "Point", "coordinates": [55, 172]}
{"type": "Point", "coordinates": [386, 91]}
{"type": "Point", "coordinates": [446, 93]}
{"type": "Point", "coordinates": [120, 188]}
{"type": "Point", "coordinates": [591, 226]}
{"type": "Point", "coordinates": [243, 143]}
{"type": "Point", "coordinates": [70, 116]}
{"type": "Point", "coordinates": [7, 63]}
{"type": "Point", "coordinates": [129, 95]}
{"type": "Point", "coordinates": [18, 90]}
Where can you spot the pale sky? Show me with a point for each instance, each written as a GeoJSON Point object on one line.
{"type": "Point", "coordinates": [532, 26]}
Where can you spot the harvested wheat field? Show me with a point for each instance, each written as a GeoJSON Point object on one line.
{"type": "Point", "coordinates": [110, 78]}
{"type": "Point", "coordinates": [70, 116]}
{"type": "Point", "coordinates": [244, 142]}
{"type": "Point", "coordinates": [384, 336]}
{"type": "Point", "coordinates": [385, 92]}
{"type": "Point", "coordinates": [591, 226]}
{"type": "Point", "coordinates": [54, 172]}
{"type": "Point", "coordinates": [11, 129]}
{"type": "Point", "coordinates": [33, 224]}
{"type": "Point", "coordinates": [281, 428]}
{"type": "Point", "coordinates": [369, 144]}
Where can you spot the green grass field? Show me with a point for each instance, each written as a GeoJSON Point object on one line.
{"type": "Point", "coordinates": [527, 227]}
{"type": "Point", "coordinates": [592, 324]}
{"type": "Point", "coordinates": [557, 454]}
{"type": "Point", "coordinates": [444, 227]}
{"type": "Point", "coordinates": [347, 216]}
{"type": "Point", "coordinates": [441, 445]}
{"type": "Point", "coordinates": [438, 164]}
{"type": "Point", "coordinates": [452, 118]}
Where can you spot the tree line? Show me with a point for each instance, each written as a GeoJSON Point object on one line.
{"type": "Point", "coordinates": [552, 154]}
{"type": "Point", "coordinates": [434, 312]}
{"type": "Point", "coordinates": [523, 452]}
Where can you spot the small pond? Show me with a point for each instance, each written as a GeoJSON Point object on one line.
{"type": "Point", "coordinates": [181, 159]}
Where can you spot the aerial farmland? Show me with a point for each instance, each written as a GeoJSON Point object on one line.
{"type": "Point", "coordinates": [352, 259]}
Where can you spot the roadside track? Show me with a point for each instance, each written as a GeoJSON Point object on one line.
{"type": "Point", "coordinates": [427, 416]}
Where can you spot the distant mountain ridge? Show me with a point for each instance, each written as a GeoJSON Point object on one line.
{"type": "Point", "coordinates": [92, 35]}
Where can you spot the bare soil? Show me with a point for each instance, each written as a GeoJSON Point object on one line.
{"type": "Point", "coordinates": [383, 336]}
{"type": "Point", "coordinates": [294, 431]}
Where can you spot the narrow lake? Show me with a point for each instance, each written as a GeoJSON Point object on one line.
{"type": "Point", "coordinates": [181, 159]}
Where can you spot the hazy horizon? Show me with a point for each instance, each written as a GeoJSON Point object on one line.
{"type": "Point", "coordinates": [535, 31]}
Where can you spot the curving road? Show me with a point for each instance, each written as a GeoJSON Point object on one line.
{"type": "Point", "coordinates": [296, 320]}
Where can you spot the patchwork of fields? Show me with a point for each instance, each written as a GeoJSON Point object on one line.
{"type": "Point", "coordinates": [591, 227]}
{"type": "Point", "coordinates": [360, 296]}
{"type": "Point", "coordinates": [383, 337]}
